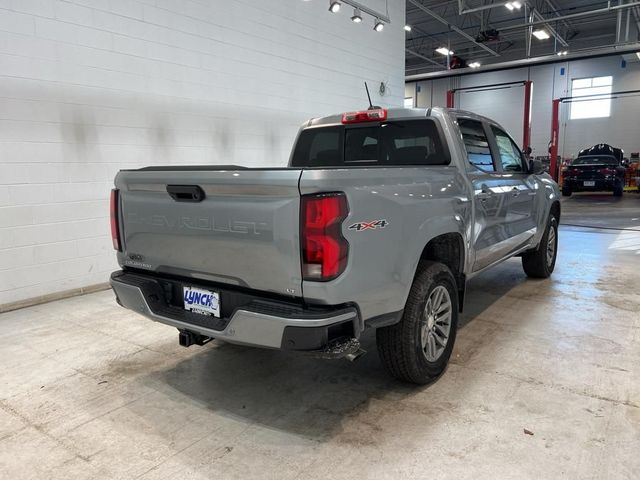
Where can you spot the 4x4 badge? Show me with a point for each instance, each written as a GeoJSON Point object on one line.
{"type": "Point", "coordinates": [360, 226]}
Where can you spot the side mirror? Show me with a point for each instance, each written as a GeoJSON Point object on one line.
{"type": "Point", "coordinates": [536, 167]}
{"type": "Point", "coordinates": [625, 162]}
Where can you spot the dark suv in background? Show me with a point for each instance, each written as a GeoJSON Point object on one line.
{"type": "Point", "coordinates": [597, 169]}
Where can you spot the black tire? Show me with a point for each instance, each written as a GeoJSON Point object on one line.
{"type": "Point", "coordinates": [535, 262]}
{"type": "Point", "coordinates": [400, 345]}
{"type": "Point", "coordinates": [617, 191]}
{"type": "Point", "coordinates": [566, 191]}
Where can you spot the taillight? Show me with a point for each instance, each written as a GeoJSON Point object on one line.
{"type": "Point", "coordinates": [607, 171]}
{"type": "Point", "coordinates": [115, 228]}
{"type": "Point", "coordinates": [376, 115]}
{"type": "Point", "coordinates": [324, 249]}
{"type": "Point", "coordinates": [572, 172]}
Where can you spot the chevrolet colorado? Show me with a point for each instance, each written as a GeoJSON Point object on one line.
{"type": "Point", "coordinates": [378, 222]}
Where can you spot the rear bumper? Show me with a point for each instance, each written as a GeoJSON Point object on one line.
{"type": "Point", "coordinates": [577, 185]}
{"type": "Point", "coordinates": [256, 321]}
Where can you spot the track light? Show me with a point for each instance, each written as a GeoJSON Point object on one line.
{"type": "Point", "coordinates": [334, 7]}
{"type": "Point", "coordinates": [444, 51]}
{"type": "Point", "coordinates": [407, 28]}
{"type": "Point", "coordinates": [541, 34]}
{"type": "Point", "coordinates": [378, 26]}
{"type": "Point", "coordinates": [474, 65]}
{"type": "Point", "coordinates": [357, 15]}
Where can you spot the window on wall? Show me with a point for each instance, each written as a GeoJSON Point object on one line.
{"type": "Point", "coordinates": [595, 107]}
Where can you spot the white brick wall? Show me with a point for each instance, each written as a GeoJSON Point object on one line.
{"type": "Point", "coordinates": [506, 106]}
{"type": "Point", "coordinates": [88, 87]}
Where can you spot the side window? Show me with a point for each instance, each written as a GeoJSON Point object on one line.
{"type": "Point", "coordinates": [510, 155]}
{"type": "Point", "coordinates": [476, 144]}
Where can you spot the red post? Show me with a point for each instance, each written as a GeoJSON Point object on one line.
{"type": "Point", "coordinates": [526, 135]}
{"type": "Point", "coordinates": [451, 98]}
{"type": "Point", "coordinates": [555, 133]}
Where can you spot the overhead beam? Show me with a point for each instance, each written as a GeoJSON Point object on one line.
{"type": "Point", "coordinates": [561, 40]}
{"type": "Point", "coordinates": [588, 13]}
{"type": "Point", "coordinates": [423, 57]}
{"type": "Point", "coordinates": [442, 20]}
{"type": "Point", "coordinates": [528, 62]}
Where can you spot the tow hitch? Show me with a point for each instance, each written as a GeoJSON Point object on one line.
{"type": "Point", "coordinates": [187, 338]}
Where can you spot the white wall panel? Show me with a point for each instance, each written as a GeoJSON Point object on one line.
{"type": "Point", "coordinates": [88, 87]}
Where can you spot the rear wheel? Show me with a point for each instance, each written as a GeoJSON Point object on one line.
{"type": "Point", "coordinates": [539, 263]}
{"type": "Point", "coordinates": [617, 190]}
{"type": "Point", "coordinates": [417, 349]}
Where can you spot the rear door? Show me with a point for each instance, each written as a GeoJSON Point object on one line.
{"type": "Point", "coordinates": [520, 188]}
{"type": "Point", "coordinates": [490, 197]}
{"type": "Point", "coordinates": [243, 229]}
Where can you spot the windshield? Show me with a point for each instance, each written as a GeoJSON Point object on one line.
{"type": "Point", "coordinates": [409, 142]}
{"type": "Point", "coordinates": [595, 161]}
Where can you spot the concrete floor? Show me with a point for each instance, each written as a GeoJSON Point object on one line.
{"type": "Point", "coordinates": [90, 390]}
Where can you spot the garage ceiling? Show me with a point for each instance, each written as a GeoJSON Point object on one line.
{"type": "Point", "coordinates": [574, 26]}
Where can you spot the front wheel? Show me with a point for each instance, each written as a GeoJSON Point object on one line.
{"type": "Point", "coordinates": [539, 263]}
{"type": "Point", "coordinates": [417, 349]}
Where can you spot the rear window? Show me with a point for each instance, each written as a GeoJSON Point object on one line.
{"type": "Point", "coordinates": [413, 142]}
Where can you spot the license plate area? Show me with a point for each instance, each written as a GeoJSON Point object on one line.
{"type": "Point", "coordinates": [199, 300]}
{"type": "Point", "coordinates": [590, 183]}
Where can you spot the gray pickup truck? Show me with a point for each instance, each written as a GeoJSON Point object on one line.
{"type": "Point", "coordinates": [378, 222]}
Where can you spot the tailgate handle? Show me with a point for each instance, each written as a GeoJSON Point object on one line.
{"type": "Point", "coordinates": [186, 193]}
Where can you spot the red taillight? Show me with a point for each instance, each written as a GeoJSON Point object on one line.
{"type": "Point", "coordinates": [115, 229]}
{"type": "Point", "coordinates": [377, 115]}
{"type": "Point", "coordinates": [572, 172]}
{"type": "Point", "coordinates": [607, 171]}
{"type": "Point", "coordinates": [324, 249]}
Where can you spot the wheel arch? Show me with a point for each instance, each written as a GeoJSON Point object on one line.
{"type": "Point", "coordinates": [448, 249]}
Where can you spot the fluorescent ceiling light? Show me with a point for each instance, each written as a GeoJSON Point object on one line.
{"type": "Point", "coordinates": [334, 7]}
{"type": "Point", "coordinates": [474, 65]}
{"type": "Point", "coordinates": [444, 51]}
{"type": "Point", "coordinates": [378, 26]}
{"type": "Point", "coordinates": [407, 28]}
{"type": "Point", "coordinates": [562, 53]}
{"type": "Point", "coordinates": [357, 15]}
{"type": "Point", "coordinates": [513, 6]}
{"type": "Point", "coordinates": [541, 34]}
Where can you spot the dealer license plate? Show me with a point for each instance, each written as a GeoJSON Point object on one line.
{"type": "Point", "coordinates": [590, 184]}
{"type": "Point", "coordinates": [204, 302]}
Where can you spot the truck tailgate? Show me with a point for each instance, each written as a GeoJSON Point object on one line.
{"type": "Point", "coordinates": [245, 231]}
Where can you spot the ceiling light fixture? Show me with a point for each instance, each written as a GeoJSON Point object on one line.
{"type": "Point", "coordinates": [357, 15]}
{"type": "Point", "coordinates": [334, 7]}
{"type": "Point", "coordinates": [378, 25]}
{"type": "Point", "coordinates": [407, 28]}
{"type": "Point", "coordinates": [562, 53]}
{"type": "Point", "coordinates": [513, 5]}
{"type": "Point", "coordinates": [444, 51]}
{"type": "Point", "coordinates": [474, 65]}
{"type": "Point", "coordinates": [541, 34]}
